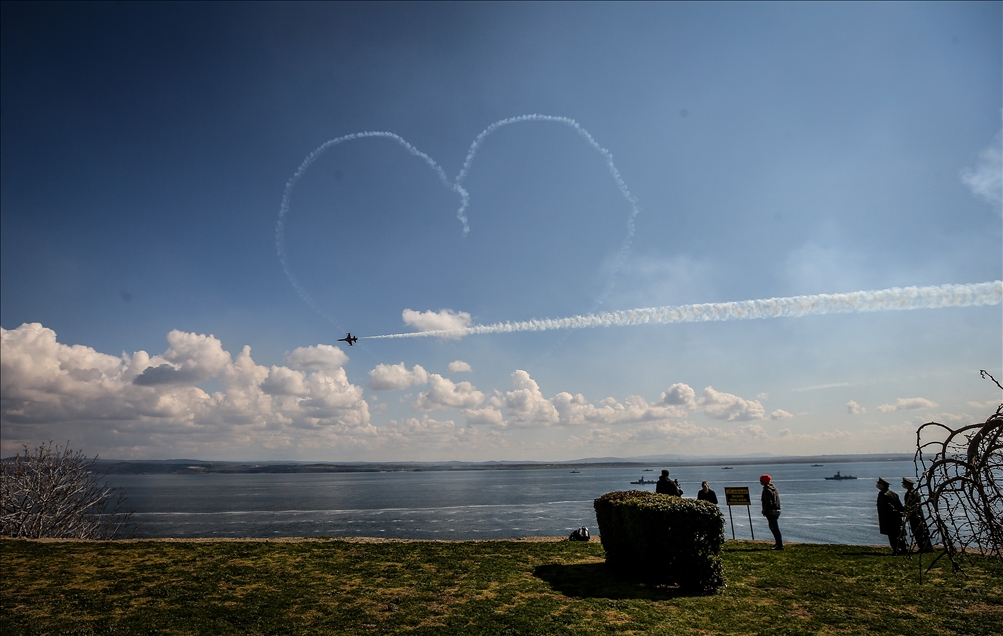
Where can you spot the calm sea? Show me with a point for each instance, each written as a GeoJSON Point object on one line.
{"type": "Point", "coordinates": [489, 504]}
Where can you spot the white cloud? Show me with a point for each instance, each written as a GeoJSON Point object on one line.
{"type": "Point", "coordinates": [725, 406]}
{"type": "Point", "coordinates": [284, 381]}
{"type": "Point", "coordinates": [190, 359]}
{"type": "Point", "coordinates": [459, 366]}
{"type": "Point", "coordinates": [986, 179]}
{"type": "Point", "coordinates": [445, 394]}
{"type": "Point", "coordinates": [443, 320]}
{"type": "Point", "coordinates": [392, 377]}
{"type": "Point", "coordinates": [855, 409]}
{"type": "Point", "coordinates": [908, 404]}
{"type": "Point", "coordinates": [487, 415]}
{"type": "Point", "coordinates": [54, 391]}
{"type": "Point", "coordinates": [526, 402]}
{"type": "Point", "coordinates": [317, 358]}
{"type": "Point", "coordinates": [680, 394]}
{"type": "Point", "coordinates": [142, 405]}
{"type": "Point", "coordinates": [956, 417]}
{"type": "Point", "coordinates": [988, 404]}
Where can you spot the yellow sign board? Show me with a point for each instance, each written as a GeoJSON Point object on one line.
{"type": "Point", "coordinates": [737, 496]}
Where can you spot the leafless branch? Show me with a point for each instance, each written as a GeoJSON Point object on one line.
{"type": "Point", "coordinates": [56, 493]}
{"type": "Point", "coordinates": [962, 482]}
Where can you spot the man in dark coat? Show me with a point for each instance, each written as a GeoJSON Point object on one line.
{"type": "Point", "coordinates": [914, 513]}
{"type": "Point", "coordinates": [771, 510]}
{"type": "Point", "coordinates": [666, 486]}
{"type": "Point", "coordinates": [890, 517]}
{"type": "Point", "coordinates": [706, 494]}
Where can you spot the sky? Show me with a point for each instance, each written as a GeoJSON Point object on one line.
{"type": "Point", "coordinates": [190, 219]}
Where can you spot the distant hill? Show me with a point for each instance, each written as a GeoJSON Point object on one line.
{"type": "Point", "coordinates": [197, 466]}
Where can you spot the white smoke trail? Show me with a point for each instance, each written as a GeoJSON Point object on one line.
{"type": "Point", "coordinates": [455, 186]}
{"type": "Point", "coordinates": [280, 226]}
{"type": "Point", "coordinates": [607, 155]}
{"type": "Point", "coordinates": [893, 299]}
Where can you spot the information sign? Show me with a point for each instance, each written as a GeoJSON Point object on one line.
{"type": "Point", "coordinates": [737, 496]}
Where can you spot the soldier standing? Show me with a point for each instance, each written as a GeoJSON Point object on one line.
{"type": "Point", "coordinates": [914, 513]}
{"type": "Point", "coordinates": [890, 517]}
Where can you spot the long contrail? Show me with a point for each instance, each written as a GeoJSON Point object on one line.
{"type": "Point", "coordinates": [893, 299]}
{"type": "Point", "coordinates": [455, 186]}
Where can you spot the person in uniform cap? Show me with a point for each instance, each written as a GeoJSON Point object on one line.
{"type": "Point", "coordinates": [914, 515]}
{"type": "Point", "coordinates": [666, 486]}
{"type": "Point", "coordinates": [771, 510]}
{"type": "Point", "coordinates": [890, 517]}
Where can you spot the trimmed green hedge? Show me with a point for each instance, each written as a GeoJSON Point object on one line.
{"type": "Point", "coordinates": [663, 538]}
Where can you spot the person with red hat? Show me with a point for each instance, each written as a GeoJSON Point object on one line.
{"type": "Point", "coordinates": [771, 509]}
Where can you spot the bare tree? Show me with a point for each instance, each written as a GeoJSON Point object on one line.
{"type": "Point", "coordinates": [963, 484]}
{"type": "Point", "coordinates": [57, 493]}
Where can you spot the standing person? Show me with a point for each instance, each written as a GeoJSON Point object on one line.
{"type": "Point", "coordinates": [914, 513]}
{"type": "Point", "coordinates": [706, 494]}
{"type": "Point", "coordinates": [771, 510]}
{"type": "Point", "coordinates": [666, 486]}
{"type": "Point", "coordinates": [890, 517]}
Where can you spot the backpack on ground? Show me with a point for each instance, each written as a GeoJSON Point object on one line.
{"type": "Point", "coordinates": [581, 534]}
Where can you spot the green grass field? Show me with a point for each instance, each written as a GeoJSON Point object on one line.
{"type": "Point", "coordinates": [490, 587]}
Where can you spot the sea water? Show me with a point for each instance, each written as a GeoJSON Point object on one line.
{"type": "Point", "coordinates": [491, 504]}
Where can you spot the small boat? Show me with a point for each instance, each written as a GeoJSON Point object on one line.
{"type": "Point", "coordinates": [574, 471]}
{"type": "Point", "coordinates": [727, 468]}
{"type": "Point", "coordinates": [642, 480]}
{"type": "Point", "coordinates": [839, 477]}
{"type": "Point", "coordinates": [817, 465]}
{"type": "Point", "coordinates": [647, 470]}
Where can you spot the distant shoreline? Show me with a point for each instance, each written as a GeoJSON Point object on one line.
{"type": "Point", "coordinates": [202, 467]}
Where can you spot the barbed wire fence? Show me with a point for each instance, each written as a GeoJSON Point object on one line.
{"type": "Point", "coordinates": [961, 480]}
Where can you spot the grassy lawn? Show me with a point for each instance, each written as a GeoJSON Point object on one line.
{"type": "Point", "coordinates": [491, 587]}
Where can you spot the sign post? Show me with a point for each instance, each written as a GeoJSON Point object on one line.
{"type": "Point", "coordinates": [739, 497]}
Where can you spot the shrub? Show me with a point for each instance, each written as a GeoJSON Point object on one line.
{"type": "Point", "coordinates": [55, 493]}
{"type": "Point", "coordinates": [663, 538]}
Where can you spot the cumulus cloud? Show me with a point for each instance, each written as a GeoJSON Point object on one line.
{"type": "Point", "coordinates": [190, 359]}
{"type": "Point", "coordinates": [317, 358]}
{"type": "Point", "coordinates": [908, 404]}
{"type": "Point", "coordinates": [392, 377]}
{"type": "Point", "coordinates": [445, 394]}
{"type": "Point", "coordinates": [443, 320]}
{"type": "Point", "coordinates": [229, 406]}
{"type": "Point", "coordinates": [855, 409]}
{"type": "Point", "coordinates": [725, 406]}
{"type": "Point", "coordinates": [680, 394]}
{"type": "Point", "coordinates": [527, 406]}
{"type": "Point", "coordinates": [986, 179]}
{"type": "Point", "coordinates": [151, 405]}
{"type": "Point", "coordinates": [459, 366]}
{"type": "Point", "coordinates": [526, 402]}
{"type": "Point", "coordinates": [489, 415]}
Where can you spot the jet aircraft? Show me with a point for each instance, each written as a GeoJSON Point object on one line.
{"type": "Point", "coordinates": [349, 338]}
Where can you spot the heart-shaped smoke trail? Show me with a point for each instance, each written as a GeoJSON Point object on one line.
{"type": "Point", "coordinates": [454, 185]}
{"type": "Point", "coordinates": [893, 299]}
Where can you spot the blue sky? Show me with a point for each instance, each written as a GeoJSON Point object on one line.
{"type": "Point", "coordinates": [774, 150]}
